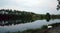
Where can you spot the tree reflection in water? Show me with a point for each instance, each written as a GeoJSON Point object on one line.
{"type": "Point", "coordinates": [14, 22]}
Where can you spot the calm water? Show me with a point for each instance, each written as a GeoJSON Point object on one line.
{"type": "Point", "coordinates": [14, 26]}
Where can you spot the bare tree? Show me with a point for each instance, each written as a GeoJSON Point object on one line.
{"type": "Point", "coordinates": [58, 6]}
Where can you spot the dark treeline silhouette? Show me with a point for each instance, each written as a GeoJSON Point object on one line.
{"type": "Point", "coordinates": [8, 14]}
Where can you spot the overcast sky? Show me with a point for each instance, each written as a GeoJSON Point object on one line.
{"type": "Point", "coordinates": [36, 6]}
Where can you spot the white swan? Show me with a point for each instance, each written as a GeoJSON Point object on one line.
{"type": "Point", "coordinates": [49, 26]}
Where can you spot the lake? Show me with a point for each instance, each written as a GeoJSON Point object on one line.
{"type": "Point", "coordinates": [21, 25]}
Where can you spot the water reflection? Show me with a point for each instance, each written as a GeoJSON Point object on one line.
{"type": "Point", "coordinates": [20, 25]}
{"type": "Point", "coordinates": [14, 22]}
{"type": "Point", "coordinates": [48, 19]}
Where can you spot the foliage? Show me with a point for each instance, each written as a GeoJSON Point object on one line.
{"type": "Point", "coordinates": [9, 14]}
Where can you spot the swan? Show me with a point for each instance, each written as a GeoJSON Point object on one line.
{"type": "Point", "coordinates": [49, 26]}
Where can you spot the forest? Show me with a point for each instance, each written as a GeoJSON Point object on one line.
{"type": "Point", "coordinates": [9, 14]}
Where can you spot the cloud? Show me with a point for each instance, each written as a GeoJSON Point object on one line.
{"type": "Point", "coordinates": [37, 6]}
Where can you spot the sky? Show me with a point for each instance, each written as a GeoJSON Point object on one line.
{"type": "Point", "coordinates": [36, 6]}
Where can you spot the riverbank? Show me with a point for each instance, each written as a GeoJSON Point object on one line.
{"type": "Point", "coordinates": [54, 30]}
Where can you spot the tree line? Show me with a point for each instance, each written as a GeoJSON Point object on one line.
{"type": "Point", "coordinates": [9, 14]}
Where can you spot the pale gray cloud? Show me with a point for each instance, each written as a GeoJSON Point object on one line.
{"type": "Point", "coordinates": [37, 6]}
